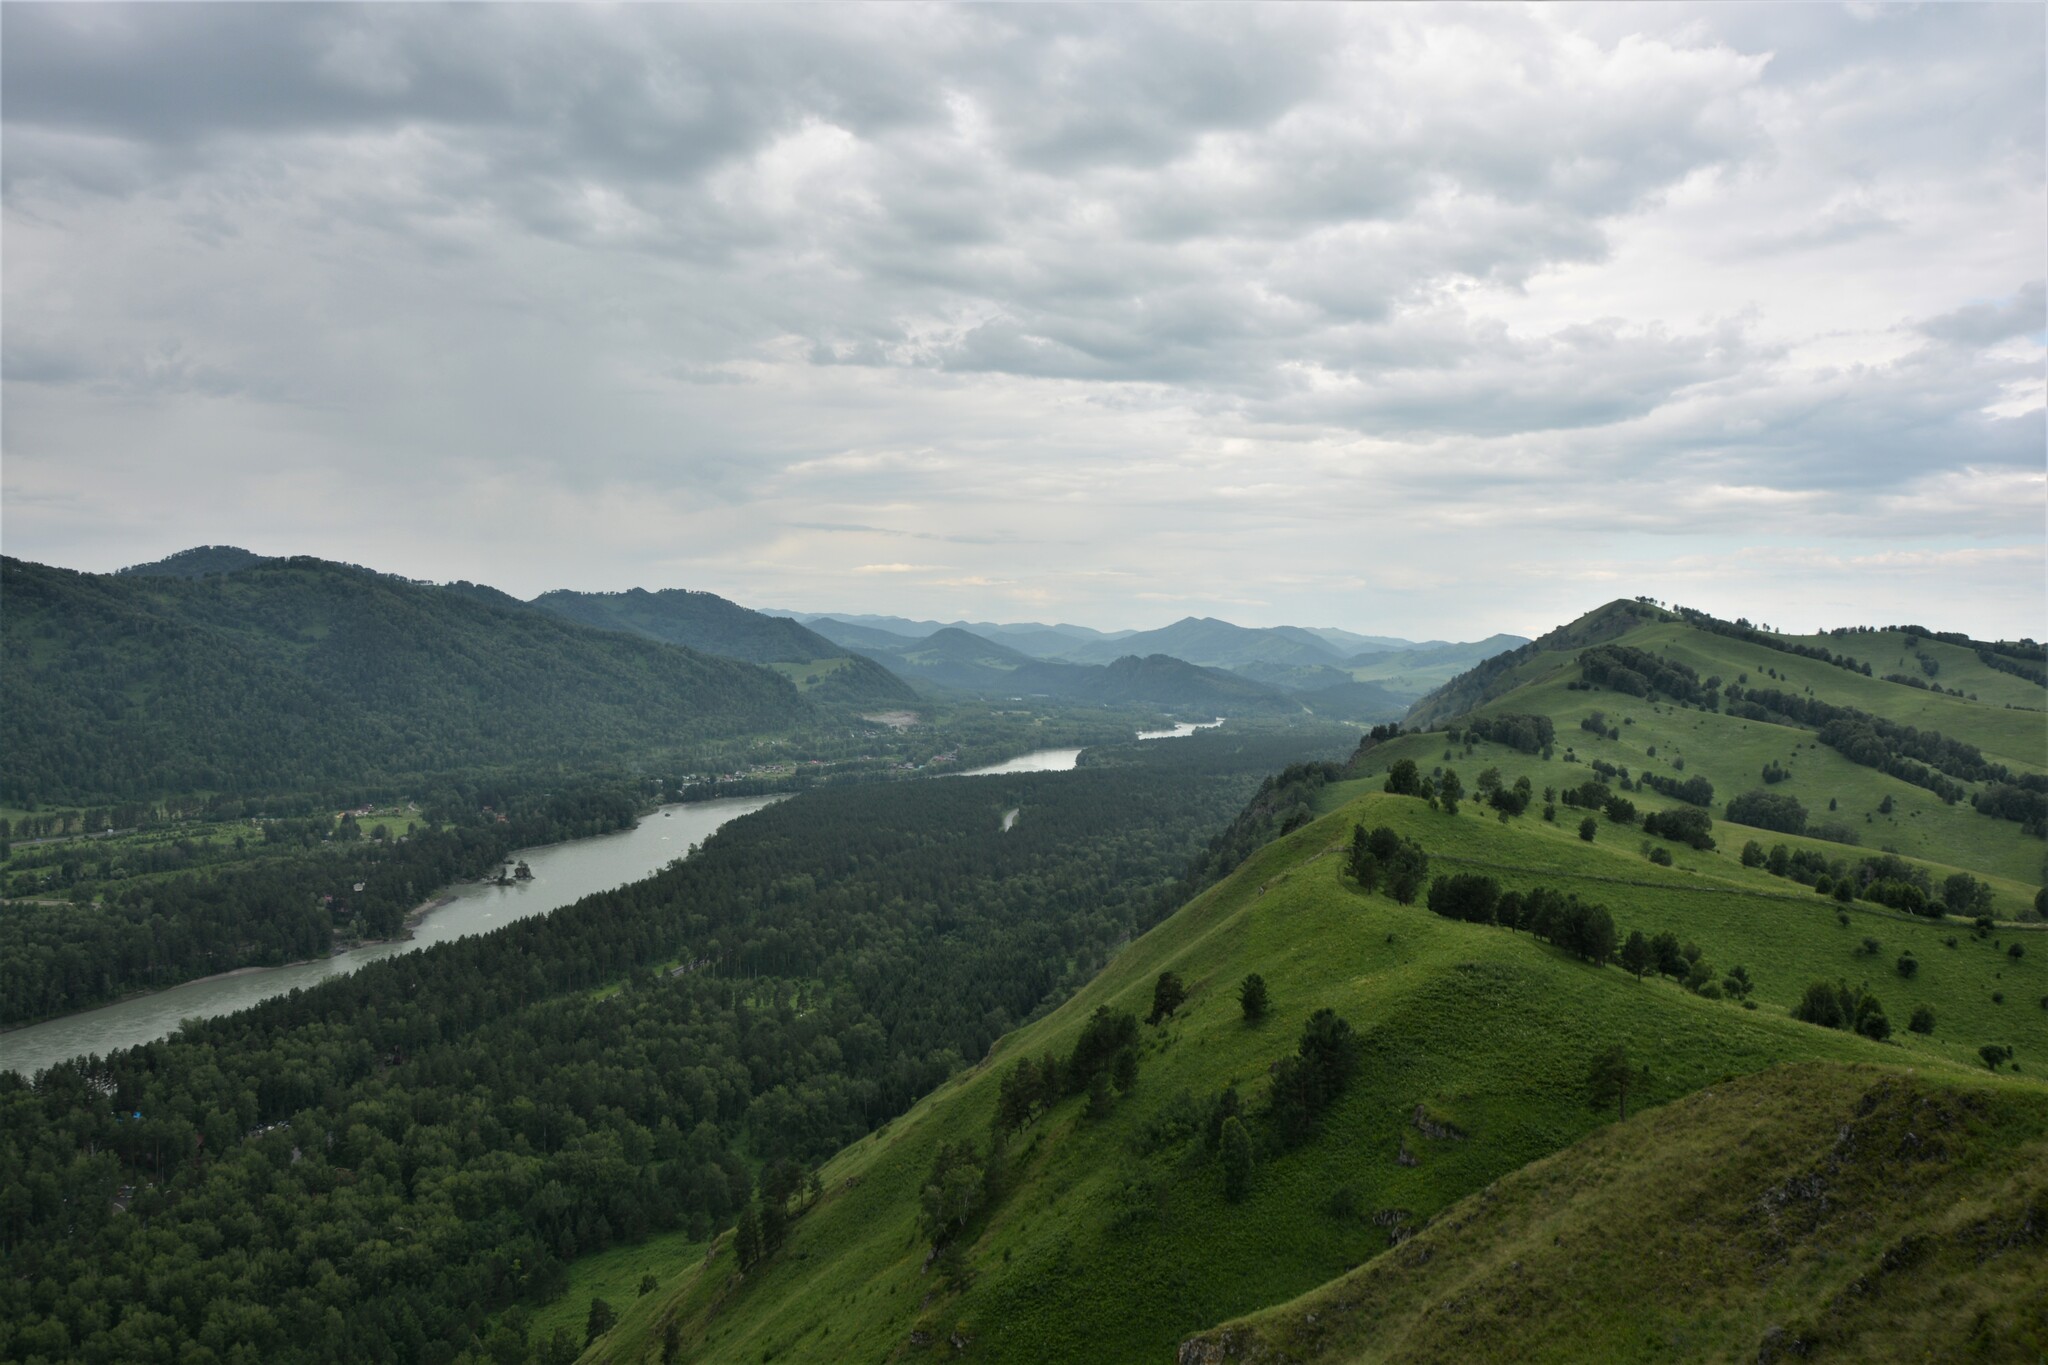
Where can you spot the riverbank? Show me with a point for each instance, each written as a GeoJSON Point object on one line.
{"type": "Point", "coordinates": [564, 872]}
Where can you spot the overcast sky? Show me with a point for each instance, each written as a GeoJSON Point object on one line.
{"type": "Point", "coordinates": [1417, 321]}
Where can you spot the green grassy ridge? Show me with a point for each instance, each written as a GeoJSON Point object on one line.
{"type": "Point", "coordinates": [1744, 916]}
{"type": "Point", "coordinates": [1921, 828]}
{"type": "Point", "coordinates": [1730, 752]}
{"type": "Point", "coordinates": [2012, 737]}
{"type": "Point", "coordinates": [1101, 1252]}
{"type": "Point", "coordinates": [1694, 1232]}
{"type": "Point", "coordinates": [1886, 652]}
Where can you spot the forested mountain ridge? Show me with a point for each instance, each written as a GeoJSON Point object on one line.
{"type": "Point", "coordinates": [299, 673]}
{"type": "Point", "coordinates": [198, 562]}
{"type": "Point", "coordinates": [709, 623]}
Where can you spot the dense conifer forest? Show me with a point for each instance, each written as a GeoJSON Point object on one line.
{"type": "Point", "coordinates": [367, 1169]}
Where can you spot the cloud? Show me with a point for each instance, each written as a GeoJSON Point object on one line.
{"type": "Point", "coordinates": [1112, 301]}
{"type": "Point", "coordinates": [1985, 324]}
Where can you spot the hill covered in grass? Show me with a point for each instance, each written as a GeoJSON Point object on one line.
{"type": "Point", "coordinates": [295, 674]}
{"type": "Point", "coordinates": [1103, 1227]}
{"type": "Point", "coordinates": [1669, 701]}
{"type": "Point", "coordinates": [1817, 1211]}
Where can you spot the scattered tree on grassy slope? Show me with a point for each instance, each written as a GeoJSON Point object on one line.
{"type": "Point", "coordinates": [1167, 995]}
{"type": "Point", "coordinates": [1306, 1084]}
{"type": "Point", "coordinates": [1383, 858]}
{"type": "Point", "coordinates": [1251, 995]}
{"type": "Point", "coordinates": [1610, 1079]}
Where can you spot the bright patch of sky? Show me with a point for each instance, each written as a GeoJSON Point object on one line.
{"type": "Point", "coordinates": [1414, 320]}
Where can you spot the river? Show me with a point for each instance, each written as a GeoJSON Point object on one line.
{"type": "Point", "coordinates": [562, 874]}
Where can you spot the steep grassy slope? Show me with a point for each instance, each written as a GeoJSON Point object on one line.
{"type": "Point", "coordinates": [1110, 1238]}
{"type": "Point", "coordinates": [1817, 1211]}
{"type": "Point", "coordinates": [300, 673]}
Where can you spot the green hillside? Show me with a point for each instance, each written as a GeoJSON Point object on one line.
{"type": "Point", "coordinates": [1732, 742]}
{"type": "Point", "coordinates": [1816, 1211]}
{"type": "Point", "coordinates": [299, 673]}
{"type": "Point", "coordinates": [1110, 1238]}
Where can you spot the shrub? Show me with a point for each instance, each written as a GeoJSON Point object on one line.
{"type": "Point", "coordinates": [1907, 966]}
{"type": "Point", "coordinates": [1661, 856]}
{"type": "Point", "coordinates": [1251, 995]}
{"type": "Point", "coordinates": [1768, 810]}
{"type": "Point", "coordinates": [1588, 827]}
{"type": "Point", "coordinates": [1839, 1005]}
{"type": "Point", "coordinates": [1403, 779]}
{"type": "Point", "coordinates": [1106, 1033]}
{"type": "Point", "coordinates": [1306, 1084]}
{"type": "Point", "coordinates": [1384, 858]}
{"type": "Point", "coordinates": [1688, 825]}
{"type": "Point", "coordinates": [1468, 896]}
{"type": "Point", "coordinates": [1167, 996]}
{"type": "Point", "coordinates": [1922, 1021]}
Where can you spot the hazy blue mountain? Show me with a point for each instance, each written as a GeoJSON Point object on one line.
{"type": "Point", "coordinates": [1360, 701]}
{"type": "Point", "coordinates": [1206, 640]}
{"type": "Point", "coordinates": [850, 636]}
{"type": "Point", "coordinates": [1351, 642]}
{"type": "Point", "coordinates": [1165, 681]}
{"type": "Point", "coordinates": [1010, 633]}
{"type": "Point", "coordinates": [1294, 677]}
{"type": "Point", "coordinates": [960, 660]}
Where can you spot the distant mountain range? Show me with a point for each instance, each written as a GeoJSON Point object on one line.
{"type": "Point", "coordinates": [1355, 676]}
{"type": "Point", "coordinates": [888, 661]}
{"type": "Point", "coordinates": [960, 660]}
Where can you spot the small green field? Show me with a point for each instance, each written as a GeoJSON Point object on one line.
{"type": "Point", "coordinates": [813, 674]}
{"type": "Point", "coordinates": [615, 1276]}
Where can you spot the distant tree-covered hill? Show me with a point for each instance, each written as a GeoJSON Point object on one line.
{"type": "Point", "coordinates": [301, 673]}
{"type": "Point", "coordinates": [707, 622]}
{"type": "Point", "coordinates": [963, 661]}
{"type": "Point", "coordinates": [198, 562]}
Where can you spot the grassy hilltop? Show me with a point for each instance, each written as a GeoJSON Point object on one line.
{"type": "Point", "coordinates": [1462, 1196]}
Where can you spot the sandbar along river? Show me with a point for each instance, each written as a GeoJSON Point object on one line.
{"type": "Point", "coordinates": [562, 875]}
